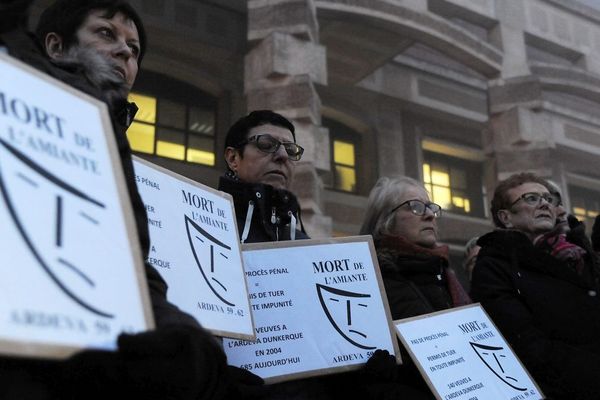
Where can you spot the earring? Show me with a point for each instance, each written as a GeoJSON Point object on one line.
{"type": "Point", "coordinates": [231, 174]}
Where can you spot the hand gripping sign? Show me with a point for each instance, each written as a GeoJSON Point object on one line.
{"type": "Point", "coordinates": [462, 355]}
{"type": "Point", "coordinates": [71, 272]}
{"type": "Point", "coordinates": [319, 308]}
{"type": "Point", "coordinates": [196, 248]}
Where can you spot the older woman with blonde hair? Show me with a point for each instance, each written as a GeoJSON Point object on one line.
{"type": "Point", "coordinates": [414, 267]}
{"type": "Point", "coordinates": [415, 270]}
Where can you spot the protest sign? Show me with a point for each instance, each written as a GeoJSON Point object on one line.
{"type": "Point", "coordinates": [72, 274]}
{"type": "Point", "coordinates": [319, 307]}
{"type": "Point", "coordinates": [462, 356]}
{"type": "Point", "coordinates": [195, 246]}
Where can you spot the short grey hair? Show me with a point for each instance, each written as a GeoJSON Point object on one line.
{"type": "Point", "coordinates": [385, 195]}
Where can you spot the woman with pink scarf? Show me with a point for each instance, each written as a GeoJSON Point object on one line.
{"type": "Point", "coordinates": [540, 286]}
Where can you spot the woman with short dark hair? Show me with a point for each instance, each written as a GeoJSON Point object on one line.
{"type": "Point", "coordinates": [261, 154]}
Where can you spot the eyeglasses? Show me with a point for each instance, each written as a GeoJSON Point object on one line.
{"type": "Point", "coordinates": [418, 207]}
{"type": "Point", "coordinates": [534, 199]}
{"type": "Point", "coordinates": [269, 144]}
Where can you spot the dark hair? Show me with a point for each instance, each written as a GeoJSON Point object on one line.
{"type": "Point", "coordinates": [238, 131]}
{"type": "Point", "coordinates": [501, 200]}
{"type": "Point", "coordinates": [65, 17]}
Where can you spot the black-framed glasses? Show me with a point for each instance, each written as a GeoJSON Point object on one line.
{"type": "Point", "coordinates": [269, 144]}
{"type": "Point", "coordinates": [534, 199]}
{"type": "Point", "coordinates": [419, 207]}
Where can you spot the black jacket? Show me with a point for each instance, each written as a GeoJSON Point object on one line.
{"type": "Point", "coordinates": [266, 212]}
{"type": "Point", "coordinates": [414, 285]}
{"type": "Point", "coordinates": [548, 313]}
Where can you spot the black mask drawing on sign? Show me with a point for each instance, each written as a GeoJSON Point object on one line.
{"type": "Point", "coordinates": [64, 247]}
{"type": "Point", "coordinates": [492, 357]}
{"type": "Point", "coordinates": [213, 253]}
{"type": "Point", "coordinates": [348, 312]}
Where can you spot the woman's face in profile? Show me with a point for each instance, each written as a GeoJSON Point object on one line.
{"type": "Point", "coordinates": [417, 229]}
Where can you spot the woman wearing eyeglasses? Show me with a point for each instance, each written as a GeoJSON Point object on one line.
{"type": "Point", "coordinates": [261, 152]}
{"type": "Point", "coordinates": [540, 289]}
{"type": "Point", "coordinates": [414, 267]}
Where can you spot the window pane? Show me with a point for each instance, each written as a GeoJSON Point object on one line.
{"type": "Point", "coordinates": [456, 183]}
{"type": "Point", "coordinates": [426, 173]}
{"type": "Point", "coordinates": [440, 178]}
{"type": "Point", "coordinates": [461, 202]}
{"type": "Point", "coordinates": [147, 107]}
{"type": "Point", "coordinates": [170, 144]}
{"type": "Point", "coordinates": [200, 150]}
{"type": "Point", "coordinates": [170, 150]}
{"type": "Point", "coordinates": [345, 178]}
{"type": "Point", "coordinates": [343, 153]}
{"type": "Point", "coordinates": [171, 114]}
{"type": "Point", "coordinates": [584, 204]}
{"type": "Point", "coordinates": [458, 178]}
{"type": "Point", "coordinates": [428, 188]}
{"type": "Point", "coordinates": [202, 121]}
{"type": "Point", "coordinates": [441, 195]}
{"type": "Point", "coordinates": [141, 137]}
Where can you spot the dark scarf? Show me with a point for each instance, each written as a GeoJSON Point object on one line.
{"type": "Point", "coordinates": [401, 247]}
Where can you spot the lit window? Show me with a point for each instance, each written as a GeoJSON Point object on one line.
{"type": "Point", "coordinates": [585, 205]}
{"type": "Point", "coordinates": [453, 183]}
{"type": "Point", "coordinates": [343, 155]}
{"type": "Point", "coordinates": [181, 128]}
{"type": "Point", "coordinates": [343, 158]}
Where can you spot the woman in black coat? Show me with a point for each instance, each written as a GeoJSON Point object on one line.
{"type": "Point", "coordinates": [414, 267]}
{"type": "Point", "coordinates": [541, 290]}
{"type": "Point", "coordinates": [415, 271]}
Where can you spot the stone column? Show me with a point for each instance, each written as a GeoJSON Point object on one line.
{"type": "Point", "coordinates": [390, 140]}
{"type": "Point", "coordinates": [281, 70]}
{"type": "Point", "coordinates": [520, 136]}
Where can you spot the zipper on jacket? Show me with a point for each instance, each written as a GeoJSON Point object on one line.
{"type": "Point", "coordinates": [274, 222]}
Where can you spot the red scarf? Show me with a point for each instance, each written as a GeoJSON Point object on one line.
{"type": "Point", "coordinates": [400, 245]}
{"type": "Point", "coordinates": [557, 246]}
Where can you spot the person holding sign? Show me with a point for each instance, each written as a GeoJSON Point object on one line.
{"type": "Point", "coordinates": [541, 290]}
{"type": "Point", "coordinates": [261, 152]}
{"type": "Point", "coordinates": [415, 270]}
{"type": "Point", "coordinates": [96, 46]}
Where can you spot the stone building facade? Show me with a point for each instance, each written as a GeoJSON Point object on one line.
{"type": "Point", "coordinates": [455, 93]}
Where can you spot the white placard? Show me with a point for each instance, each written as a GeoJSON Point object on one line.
{"type": "Point", "coordinates": [196, 248]}
{"type": "Point", "coordinates": [319, 307]}
{"type": "Point", "coordinates": [462, 356]}
{"type": "Point", "coordinates": [72, 274]}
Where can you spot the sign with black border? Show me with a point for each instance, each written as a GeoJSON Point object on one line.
{"type": "Point", "coordinates": [463, 356]}
{"type": "Point", "coordinates": [196, 248]}
{"type": "Point", "coordinates": [319, 308]}
{"type": "Point", "coordinates": [72, 271]}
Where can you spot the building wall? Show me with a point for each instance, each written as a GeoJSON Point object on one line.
{"type": "Point", "coordinates": [490, 86]}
